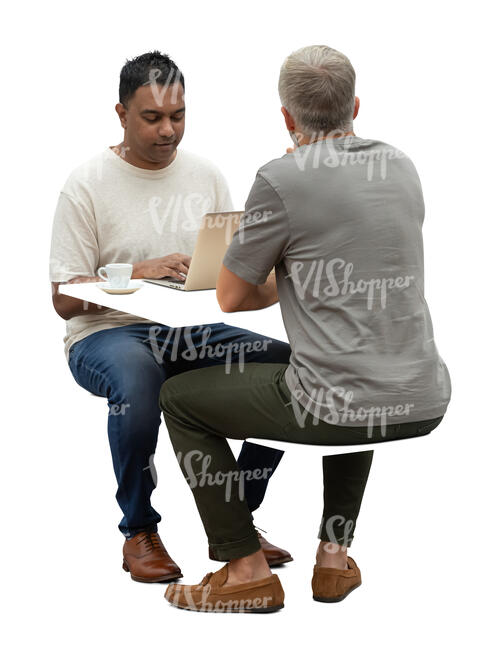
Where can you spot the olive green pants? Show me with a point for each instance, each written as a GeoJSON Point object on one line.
{"type": "Point", "coordinates": [204, 407]}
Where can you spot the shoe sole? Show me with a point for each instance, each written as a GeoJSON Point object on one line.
{"type": "Point", "coordinates": [259, 610]}
{"type": "Point", "coordinates": [336, 599]}
{"type": "Point", "coordinates": [276, 562]}
{"type": "Point", "coordinates": [281, 560]}
{"type": "Point", "coordinates": [166, 578]}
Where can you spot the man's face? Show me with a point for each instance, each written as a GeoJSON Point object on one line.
{"type": "Point", "coordinates": [154, 122]}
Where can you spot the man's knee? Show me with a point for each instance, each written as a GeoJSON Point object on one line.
{"type": "Point", "coordinates": [171, 393]}
{"type": "Point", "coordinates": [133, 404]}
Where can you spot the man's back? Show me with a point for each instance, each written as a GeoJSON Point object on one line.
{"type": "Point", "coordinates": [345, 227]}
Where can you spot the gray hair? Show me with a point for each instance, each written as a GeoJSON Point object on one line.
{"type": "Point", "coordinates": [317, 87]}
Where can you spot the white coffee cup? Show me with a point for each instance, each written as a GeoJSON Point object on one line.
{"type": "Point", "coordinates": [118, 275]}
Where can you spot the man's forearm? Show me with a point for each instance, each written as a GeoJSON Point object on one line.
{"type": "Point", "coordinates": [262, 296]}
{"type": "Point", "coordinates": [67, 307]}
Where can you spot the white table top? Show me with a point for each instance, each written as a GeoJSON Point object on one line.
{"type": "Point", "coordinates": [180, 308]}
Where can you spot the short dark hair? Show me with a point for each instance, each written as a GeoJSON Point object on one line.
{"type": "Point", "coordinates": [136, 73]}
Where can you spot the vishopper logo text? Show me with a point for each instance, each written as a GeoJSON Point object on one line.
{"type": "Point", "coordinates": [313, 277]}
{"type": "Point", "coordinates": [152, 469]}
{"type": "Point", "coordinates": [159, 85]}
{"type": "Point", "coordinates": [329, 524]}
{"type": "Point", "coordinates": [252, 218]}
{"type": "Point", "coordinates": [185, 212]}
{"type": "Point", "coordinates": [227, 479]}
{"type": "Point", "coordinates": [118, 409]}
{"type": "Point", "coordinates": [201, 604]}
{"type": "Point", "coordinates": [180, 212]}
{"type": "Point", "coordinates": [233, 352]}
{"type": "Point", "coordinates": [338, 158]}
{"type": "Point", "coordinates": [322, 399]}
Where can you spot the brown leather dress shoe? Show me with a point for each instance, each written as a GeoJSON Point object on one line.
{"type": "Point", "coordinates": [332, 585]}
{"type": "Point", "coordinates": [274, 555]}
{"type": "Point", "coordinates": [146, 559]}
{"type": "Point", "coordinates": [212, 595]}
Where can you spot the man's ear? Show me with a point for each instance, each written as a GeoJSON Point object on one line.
{"type": "Point", "coordinates": [121, 111]}
{"type": "Point", "coordinates": [357, 107]}
{"type": "Point", "coordinates": [289, 121]}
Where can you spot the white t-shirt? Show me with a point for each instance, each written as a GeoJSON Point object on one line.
{"type": "Point", "coordinates": [111, 211]}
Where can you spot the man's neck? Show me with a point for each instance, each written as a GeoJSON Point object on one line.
{"type": "Point", "coordinates": [305, 139]}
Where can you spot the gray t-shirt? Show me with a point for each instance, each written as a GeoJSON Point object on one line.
{"type": "Point", "coordinates": [341, 221]}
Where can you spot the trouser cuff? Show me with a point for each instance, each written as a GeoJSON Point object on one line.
{"type": "Point", "coordinates": [336, 534]}
{"type": "Point", "coordinates": [238, 549]}
{"type": "Point", "coordinates": [131, 532]}
{"type": "Point", "coordinates": [339, 540]}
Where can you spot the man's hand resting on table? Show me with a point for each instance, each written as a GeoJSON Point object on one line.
{"type": "Point", "coordinates": [175, 265]}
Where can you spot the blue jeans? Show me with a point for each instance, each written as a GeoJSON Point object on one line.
{"type": "Point", "coordinates": [128, 366]}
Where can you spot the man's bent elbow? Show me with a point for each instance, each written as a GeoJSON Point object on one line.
{"type": "Point", "coordinates": [60, 310]}
{"type": "Point", "coordinates": [59, 302]}
{"type": "Point", "coordinates": [226, 305]}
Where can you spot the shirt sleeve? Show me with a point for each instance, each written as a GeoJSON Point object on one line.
{"type": "Point", "coordinates": [263, 235]}
{"type": "Point", "coordinates": [74, 247]}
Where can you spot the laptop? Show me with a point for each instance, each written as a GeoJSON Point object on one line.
{"type": "Point", "coordinates": [214, 236]}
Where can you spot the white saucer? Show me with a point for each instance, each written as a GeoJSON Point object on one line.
{"type": "Point", "coordinates": [133, 285]}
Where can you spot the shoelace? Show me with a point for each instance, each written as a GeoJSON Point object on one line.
{"type": "Point", "coordinates": [151, 541]}
{"type": "Point", "coordinates": [260, 529]}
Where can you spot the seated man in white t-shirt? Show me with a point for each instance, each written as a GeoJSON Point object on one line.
{"type": "Point", "coordinates": [141, 202]}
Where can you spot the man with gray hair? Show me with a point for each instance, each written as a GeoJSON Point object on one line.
{"type": "Point", "coordinates": [317, 84]}
{"type": "Point", "coordinates": [340, 219]}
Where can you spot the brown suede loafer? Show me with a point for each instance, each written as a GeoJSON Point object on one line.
{"type": "Point", "coordinates": [212, 595]}
{"type": "Point", "coordinates": [273, 554]}
{"type": "Point", "coordinates": [146, 559]}
{"type": "Point", "coordinates": [333, 585]}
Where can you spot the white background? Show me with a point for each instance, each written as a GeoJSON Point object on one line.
{"type": "Point", "coordinates": [423, 533]}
